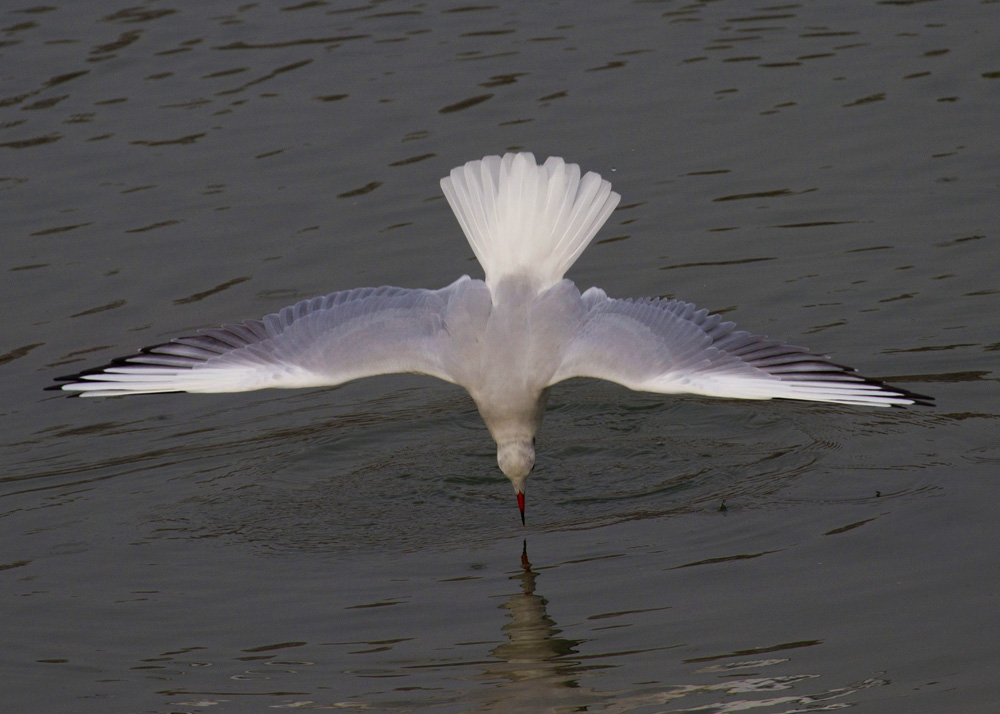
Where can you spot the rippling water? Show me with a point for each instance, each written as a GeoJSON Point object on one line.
{"type": "Point", "coordinates": [823, 172]}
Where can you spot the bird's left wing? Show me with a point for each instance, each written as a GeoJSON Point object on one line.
{"type": "Point", "coordinates": [671, 347]}
{"type": "Point", "coordinates": [319, 342]}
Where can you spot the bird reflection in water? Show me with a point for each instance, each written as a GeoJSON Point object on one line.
{"type": "Point", "coordinates": [536, 668]}
{"type": "Point", "coordinates": [534, 640]}
{"type": "Point", "coordinates": [539, 671]}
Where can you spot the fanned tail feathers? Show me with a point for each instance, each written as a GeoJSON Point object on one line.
{"type": "Point", "coordinates": [524, 219]}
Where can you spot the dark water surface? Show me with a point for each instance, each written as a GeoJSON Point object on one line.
{"type": "Point", "coordinates": [824, 172]}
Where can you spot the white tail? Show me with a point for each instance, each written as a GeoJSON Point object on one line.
{"type": "Point", "coordinates": [524, 219]}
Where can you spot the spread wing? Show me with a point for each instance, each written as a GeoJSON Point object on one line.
{"type": "Point", "coordinates": [671, 347]}
{"type": "Point", "coordinates": [319, 342]}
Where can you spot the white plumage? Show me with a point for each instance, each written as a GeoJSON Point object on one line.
{"type": "Point", "coordinates": [524, 219]}
{"type": "Point", "coordinates": [506, 339]}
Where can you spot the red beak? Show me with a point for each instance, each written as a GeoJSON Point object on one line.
{"type": "Point", "coordinates": [520, 504]}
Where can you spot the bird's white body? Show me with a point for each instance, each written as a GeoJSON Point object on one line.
{"type": "Point", "coordinates": [507, 339]}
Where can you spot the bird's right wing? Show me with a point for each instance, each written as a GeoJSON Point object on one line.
{"type": "Point", "coordinates": [671, 347]}
{"type": "Point", "coordinates": [319, 342]}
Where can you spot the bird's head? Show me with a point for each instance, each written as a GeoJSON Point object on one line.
{"type": "Point", "coordinates": [516, 458]}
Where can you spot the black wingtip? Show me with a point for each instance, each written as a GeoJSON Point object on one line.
{"type": "Point", "coordinates": [889, 389]}
{"type": "Point", "coordinates": [59, 388]}
{"type": "Point", "coordinates": [918, 400]}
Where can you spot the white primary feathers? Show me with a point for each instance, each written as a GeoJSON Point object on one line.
{"type": "Point", "coordinates": [506, 340]}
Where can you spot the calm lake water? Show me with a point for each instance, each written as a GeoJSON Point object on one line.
{"type": "Point", "coordinates": [825, 172]}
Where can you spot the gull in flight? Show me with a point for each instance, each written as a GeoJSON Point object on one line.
{"type": "Point", "coordinates": [506, 339]}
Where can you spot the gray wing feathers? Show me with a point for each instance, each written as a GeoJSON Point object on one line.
{"type": "Point", "coordinates": [669, 346]}
{"type": "Point", "coordinates": [323, 341]}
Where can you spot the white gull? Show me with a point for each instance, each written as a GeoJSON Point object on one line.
{"type": "Point", "coordinates": [507, 339]}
